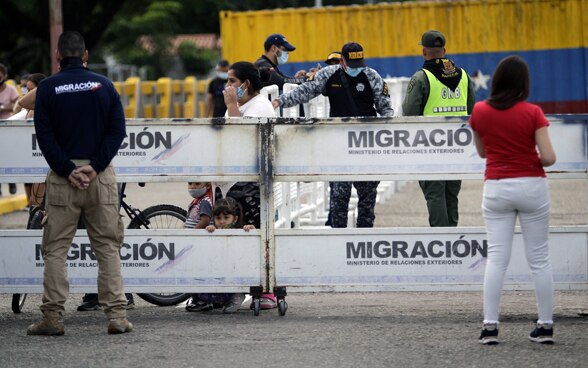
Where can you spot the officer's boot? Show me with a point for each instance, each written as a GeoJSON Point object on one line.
{"type": "Point", "coordinates": [51, 324]}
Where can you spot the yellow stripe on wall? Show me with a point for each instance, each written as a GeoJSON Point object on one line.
{"type": "Point", "coordinates": [394, 29]}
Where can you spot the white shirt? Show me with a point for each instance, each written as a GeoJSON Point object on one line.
{"type": "Point", "coordinates": [258, 107]}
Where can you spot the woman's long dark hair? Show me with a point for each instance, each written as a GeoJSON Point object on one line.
{"type": "Point", "coordinates": [244, 70]}
{"type": "Point", "coordinates": [229, 206]}
{"type": "Point", "coordinates": [510, 83]}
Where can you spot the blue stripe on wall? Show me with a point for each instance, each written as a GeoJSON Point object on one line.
{"type": "Point", "coordinates": [556, 75]}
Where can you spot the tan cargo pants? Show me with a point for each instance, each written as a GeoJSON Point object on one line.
{"type": "Point", "coordinates": [99, 205]}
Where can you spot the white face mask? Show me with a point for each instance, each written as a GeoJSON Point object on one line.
{"type": "Point", "coordinates": [282, 57]}
{"type": "Point", "coordinates": [199, 192]}
{"type": "Point", "coordinates": [222, 75]}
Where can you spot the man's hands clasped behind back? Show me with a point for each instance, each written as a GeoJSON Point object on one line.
{"type": "Point", "coordinates": [82, 176]}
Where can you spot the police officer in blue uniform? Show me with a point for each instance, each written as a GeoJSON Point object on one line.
{"type": "Point", "coordinates": [353, 89]}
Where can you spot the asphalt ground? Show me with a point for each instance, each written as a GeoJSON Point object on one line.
{"type": "Point", "coordinates": [399, 329]}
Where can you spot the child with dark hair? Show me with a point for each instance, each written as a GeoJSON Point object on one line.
{"type": "Point", "coordinates": [226, 214]}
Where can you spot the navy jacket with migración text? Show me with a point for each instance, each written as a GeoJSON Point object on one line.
{"type": "Point", "coordinates": [78, 115]}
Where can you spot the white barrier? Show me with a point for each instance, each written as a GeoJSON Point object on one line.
{"type": "Point", "coordinates": [414, 259]}
{"type": "Point", "coordinates": [175, 261]}
{"type": "Point", "coordinates": [307, 260]}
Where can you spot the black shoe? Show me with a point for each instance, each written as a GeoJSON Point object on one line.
{"type": "Point", "coordinates": [12, 188]}
{"type": "Point", "coordinates": [489, 334]}
{"type": "Point", "coordinates": [130, 301]}
{"type": "Point", "coordinates": [89, 303]}
{"type": "Point", "coordinates": [543, 334]}
{"type": "Point", "coordinates": [198, 306]}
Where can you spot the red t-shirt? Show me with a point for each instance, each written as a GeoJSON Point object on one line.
{"type": "Point", "coordinates": [509, 139]}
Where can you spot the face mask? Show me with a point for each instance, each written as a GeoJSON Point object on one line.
{"type": "Point", "coordinates": [195, 193]}
{"type": "Point", "coordinates": [240, 92]}
{"type": "Point", "coordinates": [353, 72]}
{"type": "Point", "coordinates": [283, 58]}
{"type": "Point", "coordinates": [23, 90]}
{"type": "Point", "coordinates": [222, 75]}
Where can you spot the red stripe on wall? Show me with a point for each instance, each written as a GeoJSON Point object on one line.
{"type": "Point", "coordinates": [564, 107]}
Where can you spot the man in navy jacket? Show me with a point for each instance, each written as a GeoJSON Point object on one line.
{"type": "Point", "coordinates": [80, 125]}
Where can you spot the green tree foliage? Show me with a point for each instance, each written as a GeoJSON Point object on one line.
{"type": "Point", "coordinates": [24, 26]}
{"type": "Point", "coordinates": [196, 61]}
{"type": "Point", "coordinates": [142, 37]}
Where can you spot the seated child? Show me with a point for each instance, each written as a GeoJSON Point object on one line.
{"type": "Point", "coordinates": [227, 214]}
{"type": "Point", "coordinates": [199, 213]}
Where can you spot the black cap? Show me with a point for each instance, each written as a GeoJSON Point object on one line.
{"type": "Point", "coordinates": [353, 54]}
{"type": "Point", "coordinates": [278, 40]}
{"type": "Point", "coordinates": [432, 38]}
{"type": "Point", "coordinates": [333, 58]}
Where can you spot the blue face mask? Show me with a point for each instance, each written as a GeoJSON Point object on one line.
{"type": "Point", "coordinates": [240, 92]}
{"type": "Point", "coordinates": [283, 58]}
{"type": "Point", "coordinates": [199, 192]}
{"type": "Point", "coordinates": [354, 72]}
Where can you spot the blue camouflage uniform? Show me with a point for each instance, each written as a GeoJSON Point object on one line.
{"type": "Point", "coordinates": [370, 96]}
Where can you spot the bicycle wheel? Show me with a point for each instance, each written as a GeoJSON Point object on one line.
{"type": "Point", "coordinates": [163, 216]}
{"type": "Point", "coordinates": [164, 299]}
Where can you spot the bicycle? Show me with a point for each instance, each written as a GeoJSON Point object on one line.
{"type": "Point", "coordinates": [161, 216]}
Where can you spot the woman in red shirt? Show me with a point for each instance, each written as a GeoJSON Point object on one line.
{"type": "Point", "coordinates": [512, 135]}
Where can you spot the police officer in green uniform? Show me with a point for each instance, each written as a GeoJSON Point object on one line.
{"type": "Point", "coordinates": [440, 88]}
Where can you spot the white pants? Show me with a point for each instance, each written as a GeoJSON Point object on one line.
{"type": "Point", "coordinates": [504, 200]}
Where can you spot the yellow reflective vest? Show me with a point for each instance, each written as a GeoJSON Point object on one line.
{"type": "Point", "coordinates": [443, 101]}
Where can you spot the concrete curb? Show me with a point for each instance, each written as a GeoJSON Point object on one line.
{"type": "Point", "coordinates": [13, 203]}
